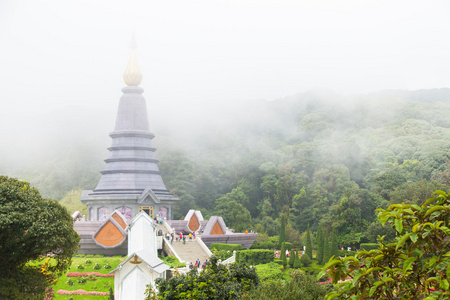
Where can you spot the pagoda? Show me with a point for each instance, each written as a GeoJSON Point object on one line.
{"type": "Point", "coordinates": [131, 181]}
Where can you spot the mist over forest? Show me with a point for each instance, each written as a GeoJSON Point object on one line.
{"type": "Point", "coordinates": [317, 157]}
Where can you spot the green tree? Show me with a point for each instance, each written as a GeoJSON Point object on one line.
{"type": "Point", "coordinates": [31, 227]}
{"type": "Point", "coordinates": [415, 266]}
{"type": "Point", "coordinates": [326, 248]}
{"type": "Point", "coordinates": [297, 263]}
{"type": "Point", "coordinates": [334, 251]}
{"type": "Point", "coordinates": [305, 260]}
{"type": "Point", "coordinates": [234, 214]}
{"type": "Point", "coordinates": [308, 242]}
{"type": "Point", "coordinates": [319, 244]}
{"type": "Point", "coordinates": [292, 259]}
{"type": "Point", "coordinates": [282, 238]}
{"type": "Point", "coordinates": [283, 254]}
{"type": "Point", "coordinates": [300, 286]}
{"type": "Point", "coordinates": [216, 282]}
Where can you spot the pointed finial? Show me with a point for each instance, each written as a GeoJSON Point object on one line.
{"type": "Point", "coordinates": [132, 75]}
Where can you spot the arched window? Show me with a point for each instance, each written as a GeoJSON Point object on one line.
{"type": "Point", "coordinates": [103, 213]}
{"type": "Point", "coordinates": [126, 212]}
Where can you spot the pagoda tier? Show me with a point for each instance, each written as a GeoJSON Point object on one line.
{"type": "Point", "coordinates": [131, 166]}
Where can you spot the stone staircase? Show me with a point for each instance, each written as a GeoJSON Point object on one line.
{"type": "Point", "coordinates": [190, 252]}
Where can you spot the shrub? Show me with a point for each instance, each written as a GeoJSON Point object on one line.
{"type": "Point", "coordinates": [107, 266]}
{"type": "Point", "coordinates": [305, 260]}
{"type": "Point", "coordinates": [270, 271]}
{"type": "Point", "coordinates": [70, 282]}
{"type": "Point", "coordinates": [91, 277]}
{"type": "Point", "coordinates": [254, 257]}
{"type": "Point", "coordinates": [222, 254]}
{"type": "Point", "coordinates": [263, 245]}
{"type": "Point", "coordinates": [230, 247]}
{"type": "Point", "coordinates": [288, 245]}
{"type": "Point", "coordinates": [81, 280]}
{"type": "Point", "coordinates": [81, 267]}
{"type": "Point", "coordinates": [172, 262]}
{"type": "Point", "coordinates": [344, 253]}
{"type": "Point", "coordinates": [297, 263]}
{"type": "Point", "coordinates": [97, 266]}
{"type": "Point", "coordinates": [369, 246]}
{"type": "Point", "coordinates": [88, 262]}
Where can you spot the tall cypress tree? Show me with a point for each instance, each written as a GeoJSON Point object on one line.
{"type": "Point", "coordinates": [297, 263]}
{"type": "Point", "coordinates": [326, 247]}
{"type": "Point", "coordinates": [308, 243]}
{"type": "Point", "coordinates": [334, 245]}
{"type": "Point", "coordinates": [292, 259]}
{"type": "Point", "coordinates": [282, 238]}
{"type": "Point", "coordinates": [283, 255]}
{"type": "Point", "coordinates": [319, 244]}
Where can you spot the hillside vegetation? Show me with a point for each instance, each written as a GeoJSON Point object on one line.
{"type": "Point", "coordinates": [317, 158]}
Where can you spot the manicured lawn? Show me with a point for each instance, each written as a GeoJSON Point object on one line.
{"type": "Point", "coordinates": [100, 284]}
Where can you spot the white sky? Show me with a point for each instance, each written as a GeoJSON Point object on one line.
{"type": "Point", "coordinates": [58, 54]}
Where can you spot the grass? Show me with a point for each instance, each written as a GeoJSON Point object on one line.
{"type": "Point", "coordinates": [100, 284]}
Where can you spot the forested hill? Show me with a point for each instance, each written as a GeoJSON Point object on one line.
{"type": "Point", "coordinates": [318, 157]}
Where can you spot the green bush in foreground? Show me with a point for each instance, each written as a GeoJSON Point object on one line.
{"type": "Point", "coordinates": [216, 282]}
{"type": "Point", "coordinates": [300, 286]}
{"type": "Point", "coordinates": [415, 266]}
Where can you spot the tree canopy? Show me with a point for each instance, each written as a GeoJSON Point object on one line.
{"type": "Point", "coordinates": [415, 266]}
{"type": "Point", "coordinates": [217, 281]}
{"type": "Point", "coordinates": [32, 227]}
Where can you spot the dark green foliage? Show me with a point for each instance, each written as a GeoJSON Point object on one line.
{"type": "Point", "coordinates": [282, 237]}
{"type": "Point", "coordinates": [344, 253]}
{"type": "Point", "coordinates": [297, 263]}
{"type": "Point", "coordinates": [326, 248]}
{"type": "Point", "coordinates": [308, 243]}
{"type": "Point", "coordinates": [111, 294]}
{"type": "Point", "coordinates": [254, 257]}
{"type": "Point", "coordinates": [30, 227]}
{"type": "Point", "coordinates": [262, 245]}
{"type": "Point", "coordinates": [305, 260]}
{"type": "Point", "coordinates": [415, 266]}
{"type": "Point", "coordinates": [288, 245]}
{"type": "Point", "coordinates": [283, 255]}
{"type": "Point", "coordinates": [299, 286]}
{"type": "Point", "coordinates": [334, 251]}
{"type": "Point", "coordinates": [216, 282]}
{"type": "Point", "coordinates": [369, 246]}
{"type": "Point", "coordinates": [227, 247]}
{"type": "Point", "coordinates": [292, 259]}
{"type": "Point", "coordinates": [319, 244]}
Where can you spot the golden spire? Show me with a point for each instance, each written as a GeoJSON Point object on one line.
{"type": "Point", "coordinates": [132, 75]}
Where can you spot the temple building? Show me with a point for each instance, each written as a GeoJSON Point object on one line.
{"type": "Point", "coordinates": [131, 181]}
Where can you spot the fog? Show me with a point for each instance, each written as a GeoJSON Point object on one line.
{"type": "Point", "coordinates": [204, 63]}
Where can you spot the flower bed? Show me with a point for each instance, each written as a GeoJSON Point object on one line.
{"type": "Point", "coordinates": [76, 274]}
{"type": "Point", "coordinates": [82, 292]}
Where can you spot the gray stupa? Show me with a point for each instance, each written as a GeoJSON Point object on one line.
{"type": "Point", "coordinates": [131, 181]}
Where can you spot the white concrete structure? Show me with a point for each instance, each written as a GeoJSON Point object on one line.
{"type": "Point", "coordinates": [142, 266]}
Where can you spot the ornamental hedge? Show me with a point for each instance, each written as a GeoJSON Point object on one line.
{"type": "Point", "coordinates": [226, 247]}
{"type": "Point", "coordinates": [254, 257]}
{"type": "Point", "coordinates": [369, 246]}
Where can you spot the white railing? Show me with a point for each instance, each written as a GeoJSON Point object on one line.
{"type": "Point", "coordinates": [230, 260]}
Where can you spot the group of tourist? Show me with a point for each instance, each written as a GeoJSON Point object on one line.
{"type": "Point", "coordinates": [198, 264]}
{"type": "Point", "coordinates": [180, 237]}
